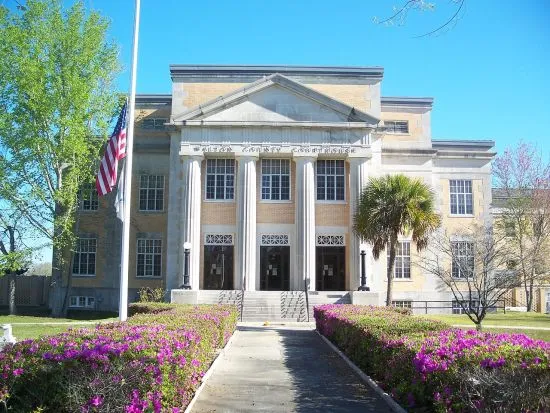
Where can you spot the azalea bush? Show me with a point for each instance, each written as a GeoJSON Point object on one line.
{"type": "Point", "coordinates": [427, 366]}
{"type": "Point", "coordinates": [152, 363]}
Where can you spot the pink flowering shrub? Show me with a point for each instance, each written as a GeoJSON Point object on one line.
{"type": "Point", "coordinates": [152, 363]}
{"type": "Point", "coordinates": [427, 366]}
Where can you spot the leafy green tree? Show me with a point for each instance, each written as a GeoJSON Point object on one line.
{"type": "Point", "coordinates": [393, 205]}
{"type": "Point", "coordinates": [57, 69]}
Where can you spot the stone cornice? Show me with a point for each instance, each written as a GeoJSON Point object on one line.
{"type": "Point", "coordinates": [290, 124]}
{"type": "Point", "coordinates": [233, 72]}
{"type": "Point", "coordinates": [421, 102]}
{"type": "Point", "coordinates": [153, 99]}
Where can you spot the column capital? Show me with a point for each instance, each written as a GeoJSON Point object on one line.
{"type": "Point", "coordinates": [247, 156]}
{"type": "Point", "coordinates": [297, 157]}
{"type": "Point", "coordinates": [358, 158]}
{"type": "Point", "coordinates": [185, 154]}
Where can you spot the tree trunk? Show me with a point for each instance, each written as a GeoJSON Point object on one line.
{"type": "Point", "coordinates": [57, 291]}
{"type": "Point", "coordinates": [393, 244]}
{"type": "Point", "coordinates": [478, 326]}
{"type": "Point", "coordinates": [531, 294]}
{"type": "Point", "coordinates": [526, 288]}
{"type": "Point", "coordinates": [12, 280]}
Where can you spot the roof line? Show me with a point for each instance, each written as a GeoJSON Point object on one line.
{"type": "Point", "coordinates": [405, 100]}
{"type": "Point", "coordinates": [480, 143]}
{"type": "Point", "coordinates": [154, 98]}
{"type": "Point", "coordinates": [179, 70]}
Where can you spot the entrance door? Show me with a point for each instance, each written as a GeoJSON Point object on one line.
{"type": "Point", "coordinates": [331, 268]}
{"type": "Point", "coordinates": [275, 268]}
{"type": "Point", "coordinates": [218, 267]}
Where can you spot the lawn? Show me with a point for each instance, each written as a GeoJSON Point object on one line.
{"type": "Point", "coordinates": [24, 327]}
{"type": "Point", "coordinates": [533, 320]}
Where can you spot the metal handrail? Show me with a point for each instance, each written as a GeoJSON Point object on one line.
{"type": "Point", "coordinates": [242, 297]}
{"type": "Point", "coordinates": [425, 306]}
{"type": "Point", "coordinates": [307, 299]}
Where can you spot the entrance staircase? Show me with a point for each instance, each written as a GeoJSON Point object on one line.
{"type": "Point", "coordinates": [275, 306]}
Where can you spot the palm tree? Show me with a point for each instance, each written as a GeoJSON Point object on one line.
{"type": "Point", "coordinates": [393, 205]}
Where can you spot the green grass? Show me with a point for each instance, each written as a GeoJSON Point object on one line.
{"type": "Point", "coordinates": [533, 320]}
{"type": "Point", "coordinates": [41, 325]}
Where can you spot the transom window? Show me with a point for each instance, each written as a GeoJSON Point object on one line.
{"type": "Point", "coordinates": [276, 179]}
{"type": "Point", "coordinates": [84, 257]}
{"type": "Point", "coordinates": [330, 180]}
{"type": "Point", "coordinates": [220, 177]}
{"type": "Point", "coordinates": [461, 197]}
{"type": "Point", "coordinates": [87, 198]}
{"type": "Point", "coordinates": [149, 257]}
{"type": "Point", "coordinates": [151, 193]}
{"type": "Point", "coordinates": [153, 123]}
{"type": "Point", "coordinates": [402, 267]}
{"type": "Point", "coordinates": [402, 303]}
{"type": "Point", "coordinates": [463, 259]}
{"type": "Point", "coordinates": [396, 126]}
{"type": "Point", "coordinates": [79, 301]}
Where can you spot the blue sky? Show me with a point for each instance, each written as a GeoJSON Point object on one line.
{"type": "Point", "coordinates": [488, 75]}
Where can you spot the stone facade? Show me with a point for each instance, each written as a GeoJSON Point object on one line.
{"type": "Point", "coordinates": [306, 116]}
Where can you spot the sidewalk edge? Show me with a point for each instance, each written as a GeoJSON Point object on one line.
{"type": "Point", "coordinates": [394, 406]}
{"type": "Point", "coordinates": [209, 372]}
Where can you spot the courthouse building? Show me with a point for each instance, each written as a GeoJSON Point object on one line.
{"type": "Point", "coordinates": [257, 171]}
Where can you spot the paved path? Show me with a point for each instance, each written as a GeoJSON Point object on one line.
{"type": "Point", "coordinates": [284, 369]}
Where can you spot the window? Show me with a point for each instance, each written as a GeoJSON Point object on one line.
{"type": "Point", "coordinates": [402, 267]}
{"type": "Point", "coordinates": [87, 198]}
{"type": "Point", "coordinates": [276, 179]}
{"type": "Point", "coordinates": [463, 259]}
{"type": "Point", "coordinates": [149, 257]}
{"type": "Point", "coordinates": [84, 257]}
{"type": "Point", "coordinates": [461, 197]}
{"type": "Point", "coordinates": [330, 180]}
{"type": "Point", "coordinates": [396, 126]}
{"type": "Point", "coordinates": [538, 224]}
{"type": "Point", "coordinates": [509, 228]}
{"type": "Point", "coordinates": [78, 301]}
{"type": "Point", "coordinates": [151, 193]}
{"type": "Point", "coordinates": [153, 123]}
{"type": "Point", "coordinates": [463, 309]}
{"type": "Point", "coordinates": [402, 303]}
{"type": "Point", "coordinates": [220, 176]}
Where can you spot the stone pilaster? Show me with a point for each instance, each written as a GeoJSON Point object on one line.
{"type": "Point", "coordinates": [246, 222]}
{"type": "Point", "coordinates": [305, 220]}
{"type": "Point", "coordinates": [191, 217]}
{"type": "Point", "coordinates": [358, 180]}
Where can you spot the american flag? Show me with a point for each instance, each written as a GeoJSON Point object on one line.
{"type": "Point", "coordinates": [114, 151]}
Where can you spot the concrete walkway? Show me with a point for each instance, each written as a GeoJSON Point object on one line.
{"type": "Point", "coordinates": [284, 369]}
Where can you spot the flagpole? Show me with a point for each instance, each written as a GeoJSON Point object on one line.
{"type": "Point", "coordinates": [124, 267]}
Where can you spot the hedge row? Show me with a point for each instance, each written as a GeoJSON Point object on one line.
{"type": "Point", "coordinates": [427, 366]}
{"type": "Point", "coordinates": [152, 363]}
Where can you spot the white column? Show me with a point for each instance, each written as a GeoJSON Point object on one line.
{"type": "Point", "coordinates": [191, 217]}
{"type": "Point", "coordinates": [305, 220]}
{"type": "Point", "coordinates": [358, 179]}
{"type": "Point", "coordinates": [246, 222]}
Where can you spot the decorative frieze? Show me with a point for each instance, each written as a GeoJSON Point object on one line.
{"type": "Point", "coordinates": [274, 239]}
{"type": "Point", "coordinates": [330, 240]}
{"type": "Point", "coordinates": [218, 239]}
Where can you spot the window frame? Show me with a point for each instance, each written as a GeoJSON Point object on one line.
{"type": "Point", "coordinates": [147, 191]}
{"type": "Point", "coordinates": [461, 195]}
{"type": "Point", "coordinates": [404, 258]}
{"type": "Point", "coordinates": [280, 175]}
{"type": "Point", "coordinates": [158, 123]}
{"type": "Point", "coordinates": [394, 124]}
{"type": "Point", "coordinates": [78, 253]}
{"type": "Point", "coordinates": [216, 174]}
{"type": "Point", "coordinates": [457, 308]}
{"type": "Point", "coordinates": [335, 176]}
{"type": "Point", "coordinates": [92, 197]}
{"type": "Point", "coordinates": [89, 301]}
{"type": "Point", "coordinates": [459, 255]}
{"type": "Point", "coordinates": [138, 253]}
{"type": "Point", "coordinates": [402, 304]}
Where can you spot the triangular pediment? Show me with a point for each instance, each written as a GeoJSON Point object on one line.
{"type": "Point", "coordinates": [275, 98]}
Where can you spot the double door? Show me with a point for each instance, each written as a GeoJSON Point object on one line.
{"type": "Point", "coordinates": [218, 267]}
{"type": "Point", "coordinates": [275, 268]}
{"type": "Point", "coordinates": [331, 268]}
